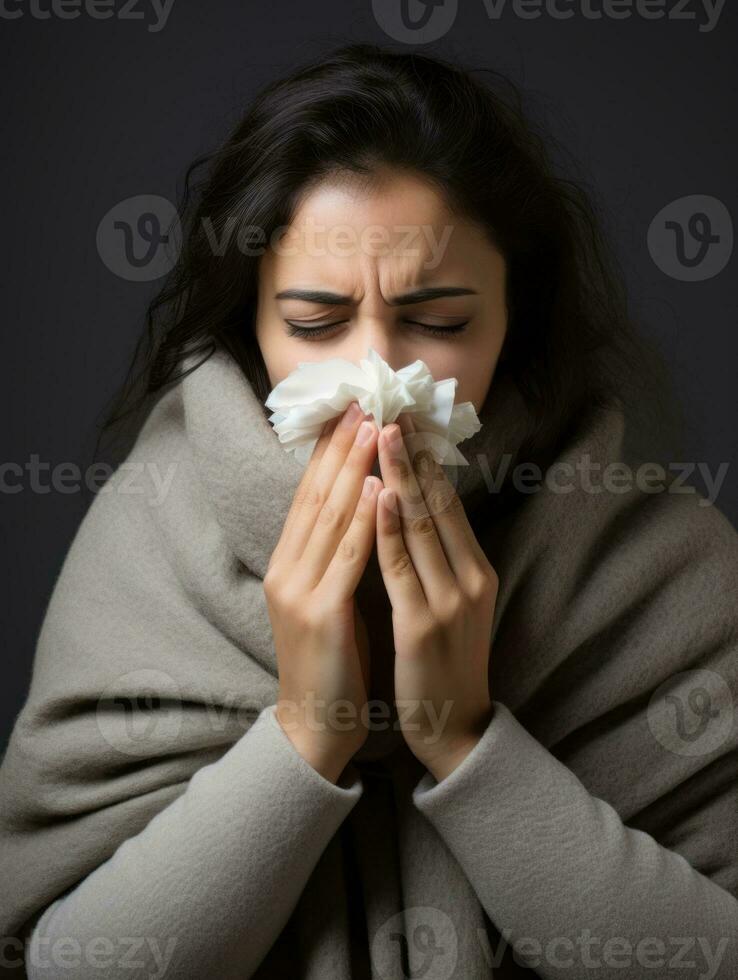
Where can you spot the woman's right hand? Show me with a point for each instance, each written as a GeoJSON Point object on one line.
{"type": "Point", "coordinates": [309, 587]}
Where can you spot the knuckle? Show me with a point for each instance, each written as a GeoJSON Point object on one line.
{"type": "Point", "coordinates": [290, 599]}
{"type": "Point", "coordinates": [444, 501]}
{"type": "Point", "coordinates": [272, 581]}
{"type": "Point", "coordinates": [347, 550]}
{"type": "Point", "coordinates": [401, 472]}
{"type": "Point", "coordinates": [311, 496]}
{"type": "Point", "coordinates": [282, 600]}
{"type": "Point", "coordinates": [421, 525]}
{"type": "Point", "coordinates": [400, 565]}
{"type": "Point", "coordinates": [331, 515]}
{"type": "Point", "coordinates": [484, 585]}
{"type": "Point", "coordinates": [313, 619]}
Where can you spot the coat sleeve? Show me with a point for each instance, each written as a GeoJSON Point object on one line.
{"type": "Point", "coordinates": [209, 883]}
{"type": "Point", "coordinates": [597, 819]}
{"type": "Point", "coordinates": [572, 889]}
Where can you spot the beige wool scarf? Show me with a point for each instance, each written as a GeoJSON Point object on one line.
{"type": "Point", "coordinates": [604, 795]}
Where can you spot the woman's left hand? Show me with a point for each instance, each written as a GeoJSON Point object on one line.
{"type": "Point", "coordinates": [443, 592]}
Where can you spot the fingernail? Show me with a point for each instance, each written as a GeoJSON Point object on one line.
{"type": "Point", "coordinates": [350, 415]}
{"type": "Point", "coordinates": [393, 436]}
{"type": "Point", "coordinates": [368, 487]}
{"type": "Point", "coordinates": [364, 434]}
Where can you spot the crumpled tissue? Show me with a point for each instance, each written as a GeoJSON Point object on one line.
{"type": "Point", "coordinates": [319, 390]}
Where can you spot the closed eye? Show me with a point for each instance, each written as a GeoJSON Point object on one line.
{"type": "Point", "coordinates": [308, 333]}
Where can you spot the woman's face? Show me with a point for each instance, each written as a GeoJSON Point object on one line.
{"type": "Point", "coordinates": [388, 268]}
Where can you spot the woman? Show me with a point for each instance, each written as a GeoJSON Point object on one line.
{"type": "Point", "coordinates": [468, 724]}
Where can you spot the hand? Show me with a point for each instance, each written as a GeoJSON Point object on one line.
{"type": "Point", "coordinates": [443, 592]}
{"type": "Point", "coordinates": [320, 644]}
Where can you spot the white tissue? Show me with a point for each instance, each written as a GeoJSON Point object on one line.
{"type": "Point", "coordinates": [319, 390]}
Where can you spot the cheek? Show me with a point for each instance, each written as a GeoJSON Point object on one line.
{"type": "Point", "coordinates": [281, 353]}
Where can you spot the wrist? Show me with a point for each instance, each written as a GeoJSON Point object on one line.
{"type": "Point", "coordinates": [322, 753]}
{"type": "Point", "coordinates": [448, 756]}
{"type": "Point", "coordinates": [443, 763]}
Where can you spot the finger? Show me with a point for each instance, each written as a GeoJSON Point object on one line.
{"type": "Point", "coordinates": [338, 510]}
{"type": "Point", "coordinates": [341, 577]}
{"type": "Point", "coordinates": [398, 572]}
{"type": "Point", "coordinates": [463, 551]}
{"type": "Point", "coordinates": [315, 492]}
{"type": "Point", "coordinates": [418, 528]}
{"type": "Point", "coordinates": [312, 468]}
{"type": "Point", "coordinates": [284, 545]}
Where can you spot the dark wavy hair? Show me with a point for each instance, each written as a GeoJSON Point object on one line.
{"type": "Point", "coordinates": [570, 340]}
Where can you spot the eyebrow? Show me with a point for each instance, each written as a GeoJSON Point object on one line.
{"type": "Point", "coordinates": [404, 299]}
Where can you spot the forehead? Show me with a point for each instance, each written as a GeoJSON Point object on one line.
{"type": "Point", "coordinates": [398, 232]}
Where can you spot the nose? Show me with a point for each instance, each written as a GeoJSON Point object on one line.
{"type": "Point", "coordinates": [382, 337]}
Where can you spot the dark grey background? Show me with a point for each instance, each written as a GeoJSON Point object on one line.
{"type": "Point", "coordinates": [99, 111]}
